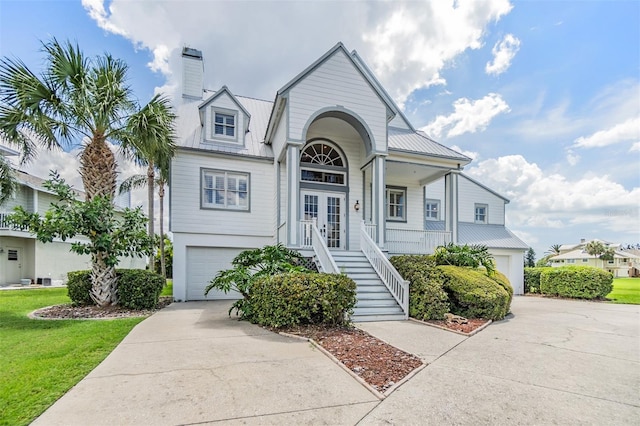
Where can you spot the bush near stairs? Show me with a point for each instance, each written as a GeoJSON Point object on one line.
{"type": "Point", "coordinates": [302, 298]}
{"type": "Point", "coordinates": [469, 292]}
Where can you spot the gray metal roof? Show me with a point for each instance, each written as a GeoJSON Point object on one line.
{"type": "Point", "coordinates": [189, 118]}
{"type": "Point", "coordinates": [493, 236]}
{"type": "Point", "coordinates": [418, 142]}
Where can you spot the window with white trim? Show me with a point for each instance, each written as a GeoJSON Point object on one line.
{"type": "Point", "coordinates": [225, 190]}
{"type": "Point", "coordinates": [224, 125]}
{"type": "Point", "coordinates": [397, 204]}
{"type": "Point", "coordinates": [481, 213]}
{"type": "Point", "coordinates": [432, 209]}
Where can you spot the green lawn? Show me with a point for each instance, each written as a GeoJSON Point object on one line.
{"type": "Point", "coordinates": [625, 290]}
{"type": "Point", "coordinates": [41, 360]}
{"type": "Point", "coordinates": [167, 290]}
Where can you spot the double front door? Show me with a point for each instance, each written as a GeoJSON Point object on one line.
{"type": "Point", "coordinates": [329, 211]}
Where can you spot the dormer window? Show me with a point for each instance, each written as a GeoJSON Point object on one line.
{"type": "Point", "coordinates": [224, 125]}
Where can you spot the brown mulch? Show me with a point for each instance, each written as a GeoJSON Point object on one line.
{"type": "Point", "coordinates": [376, 362]}
{"type": "Point", "coordinates": [94, 312]}
{"type": "Point", "coordinates": [471, 325]}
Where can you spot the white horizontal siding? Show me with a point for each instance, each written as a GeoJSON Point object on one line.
{"type": "Point", "coordinates": [435, 191]}
{"type": "Point", "coordinates": [414, 207]}
{"type": "Point", "coordinates": [336, 82]}
{"type": "Point", "coordinates": [192, 71]}
{"type": "Point", "coordinates": [186, 214]}
{"type": "Point", "coordinates": [470, 194]}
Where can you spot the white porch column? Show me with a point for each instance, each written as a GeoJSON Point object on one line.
{"type": "Point", "coordinates": [293, 193]}
{"type": "Point", "coordinates": [451, 205]}
{"type": "Point", "coordinates": [378, 201]}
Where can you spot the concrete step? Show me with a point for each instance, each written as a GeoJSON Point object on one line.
{"type": "Point", "coordinates": [377, 303]}
{"type": "Point", "coordinates": [370, 318]}
{"type": "Point", "coordinates": [377, 310]}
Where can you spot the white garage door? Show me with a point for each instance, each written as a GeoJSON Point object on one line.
{"type": "Point", "coordinates": [503, 264]}
{"type": "Point", "coordinates": [203, 263]}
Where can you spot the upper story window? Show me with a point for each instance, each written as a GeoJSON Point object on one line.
{"type": "Point", "coordinates": [396, 204]}
{"type": "Point", "coordinates": [225, 190]}
{"type": "Point", "coordinates": [432, 209]}
{"type": "Point", "coordinates": [224, 125]}
{"type": "Point", "coordinates": [322, 163]}
{"type": "Point", "coordinates": [481, 213]}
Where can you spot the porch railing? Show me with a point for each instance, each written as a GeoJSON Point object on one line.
{"type": "Point", "coordinates": [371, 229]}
{"type": "Point", "coordinates": [391, 278]}
{"type": "Point", "coordinates": [415, 241]}
{"type": "Point", "coordinates": [310, 237]}
{"type": "Point", "coordinates": [5, 224]}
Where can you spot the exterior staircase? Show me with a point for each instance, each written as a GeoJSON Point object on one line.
{"type": "Point", "coordinates": [375, 302]}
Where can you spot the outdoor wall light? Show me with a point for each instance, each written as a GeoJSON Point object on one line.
{"type": "Point", "coordinates": [356, 206]}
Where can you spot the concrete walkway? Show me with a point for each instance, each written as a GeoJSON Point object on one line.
{"type": "Point", "coordinates": [551, 362]}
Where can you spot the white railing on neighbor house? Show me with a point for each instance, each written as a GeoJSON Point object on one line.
{"type": "Point", "coordinates": [398, 286]}
{"type": "Point", "coordinates": [310, 237]}
{"type": "Point", "coordinates": [5, 224]}
{"type": "Point", "coordinates": [415, 241]}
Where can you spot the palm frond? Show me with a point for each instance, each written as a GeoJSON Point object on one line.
{"type": "Point", "coordinates": [8, 182]}
{"type": "Point", "coordinates": [133, 182]}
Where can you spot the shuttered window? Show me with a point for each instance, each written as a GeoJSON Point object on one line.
{"type": "Point", "coordinates": [225, 190]}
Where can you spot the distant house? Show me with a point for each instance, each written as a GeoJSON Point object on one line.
{"type": "Point", "coordinates": [331, 167]}
{"type": "Point", "coordinates": [624, 263]}
{"type": "Point", "coordinates": [23, 259]}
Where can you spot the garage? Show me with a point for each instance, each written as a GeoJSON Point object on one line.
{"type": "Point", "coordinates": [204, 263]}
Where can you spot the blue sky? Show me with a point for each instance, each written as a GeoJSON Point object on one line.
{"type": "Point", "coordinates": [544, 95]}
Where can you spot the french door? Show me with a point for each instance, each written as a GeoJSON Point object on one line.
{"type": "Point", "coordinates": [329, 209]}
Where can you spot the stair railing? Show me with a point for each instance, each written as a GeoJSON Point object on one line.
{"type": "Point", "coordinates": [398, 286]}
{"type": "Point", "coordinates": [311, 236]}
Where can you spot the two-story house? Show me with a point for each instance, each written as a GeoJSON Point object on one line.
{"type": "Point", "coordinates": [623, 264]}
{"type": "Point", "coordinates": [330, 167]}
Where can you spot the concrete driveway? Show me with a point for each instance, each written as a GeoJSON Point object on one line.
{"type": "Point", "coordinates": [551, 362]}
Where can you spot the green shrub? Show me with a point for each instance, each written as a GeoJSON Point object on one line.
{"type": "Point", "coordinates": [532, 279]}
{"type": "Point", "coordinates": [301, 298]}
{"type": "Point", "coordinates": [139, 289]}
{"type": "Point", "coordinates": [427, 298]}
{"type": "Point", "coordinates": [472, 256]}
{"type": "Point", "coordinates": [582, 282]}
{"type": "Point", "coordinates": [473, 294]}
{"type": "Point", "coordinates": [79, 287]}
{"type": "Point", "coordinates": [504, 282]}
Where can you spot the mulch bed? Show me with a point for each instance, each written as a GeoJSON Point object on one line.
{"type": "Point", "coordinates": [94, 312]}
{"type": "Point", "coordinates": [376, 362]}
{"type": "Point", "coordinates": [471, 325]}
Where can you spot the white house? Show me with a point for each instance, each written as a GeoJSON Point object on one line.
{"type": "Point", "coordinates": [23, 259]}
{"type": "Point", "coordinates": [623, 264]}
{"type": "Point", "coordinates": [330, 167]}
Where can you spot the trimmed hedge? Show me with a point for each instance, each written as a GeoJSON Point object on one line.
{"type": "Point", "coordinates": [427, 298]}
{"type": "Point", "coordinates": [582, 282]}
{"type": "Point", "coordinates": [473, 294]}
{"type": "Point", "coordinates": [137, 288]}
{"type": "Point", "coordinates": [301, 298]}
{"type": "Point", "coordinates": [532, 279]}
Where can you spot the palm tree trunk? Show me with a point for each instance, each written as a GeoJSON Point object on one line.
{"type": "Point", "coordinates": [161, 196]}
{"type": "Point", "coordinates": [98, 171]}
{"type": "Point", "coordinates": [150, 194]}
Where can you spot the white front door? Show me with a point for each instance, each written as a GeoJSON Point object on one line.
{"type": "Point", "coordinates": [14, 264]}
{"type": "Point", "coordinates": [329, 209]}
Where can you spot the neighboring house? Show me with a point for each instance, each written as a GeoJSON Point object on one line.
{"type": "Point", "coordinates": [331, 168]}
{"type": "Point", "coordinates": [23, 259]}
{"type": "Point", "coordinates": [624, 263]}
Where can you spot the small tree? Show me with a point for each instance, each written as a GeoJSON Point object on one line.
{"type": "Point", "coordinates": [595, 248]}
{"type": "Point", "coordinates": [109, 236]}
{"type": "Point", "coordinates": [472, 256]}
{"type": "Point", "coordinates": [250, 265]}
{"type": "Point", "coordinates": [530, 258]}
{"type": "Point", "coordinates": [167, 267]}
{"type": "Point", "coordinates": [554, 249]}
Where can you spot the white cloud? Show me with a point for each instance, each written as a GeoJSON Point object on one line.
{"type": "Point", "coordinates": [552, 200]}
{"type": "Point", "coordinates": [471, 154]}
{"type": "Point", "coordinates": [407, 43]}
{"type": "Point", "coordinates": [468, 116]}
{"type": "Point", "coordinates": [627, 131]}
{"type": "Point", "coordinates": [635, 147]}
{"type": "Point", "coordinates": [572, 157]}
{"type": "Point", "coordinates": [503, 53]}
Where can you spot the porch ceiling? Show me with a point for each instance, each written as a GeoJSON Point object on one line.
{"type": "Point", "coordinates": [413, 172]}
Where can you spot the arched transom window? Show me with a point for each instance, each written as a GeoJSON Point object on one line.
{"type": "Point", "coordinates": [321, 162]}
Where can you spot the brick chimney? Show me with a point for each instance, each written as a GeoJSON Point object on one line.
{"type": "Point", "coordinates": [192, 73]}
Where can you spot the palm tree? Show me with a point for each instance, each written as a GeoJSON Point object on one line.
{"type": "Point", "coordinates": [554, 249]}
{"type": "Point", "coordinates": [150, 142]}
{"type": "Point", "coordinates": [161, 180]}
{"type": "Point", "coordinates": [74, 99]}
{"type": "Point", "coordinates": [8, 183]}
